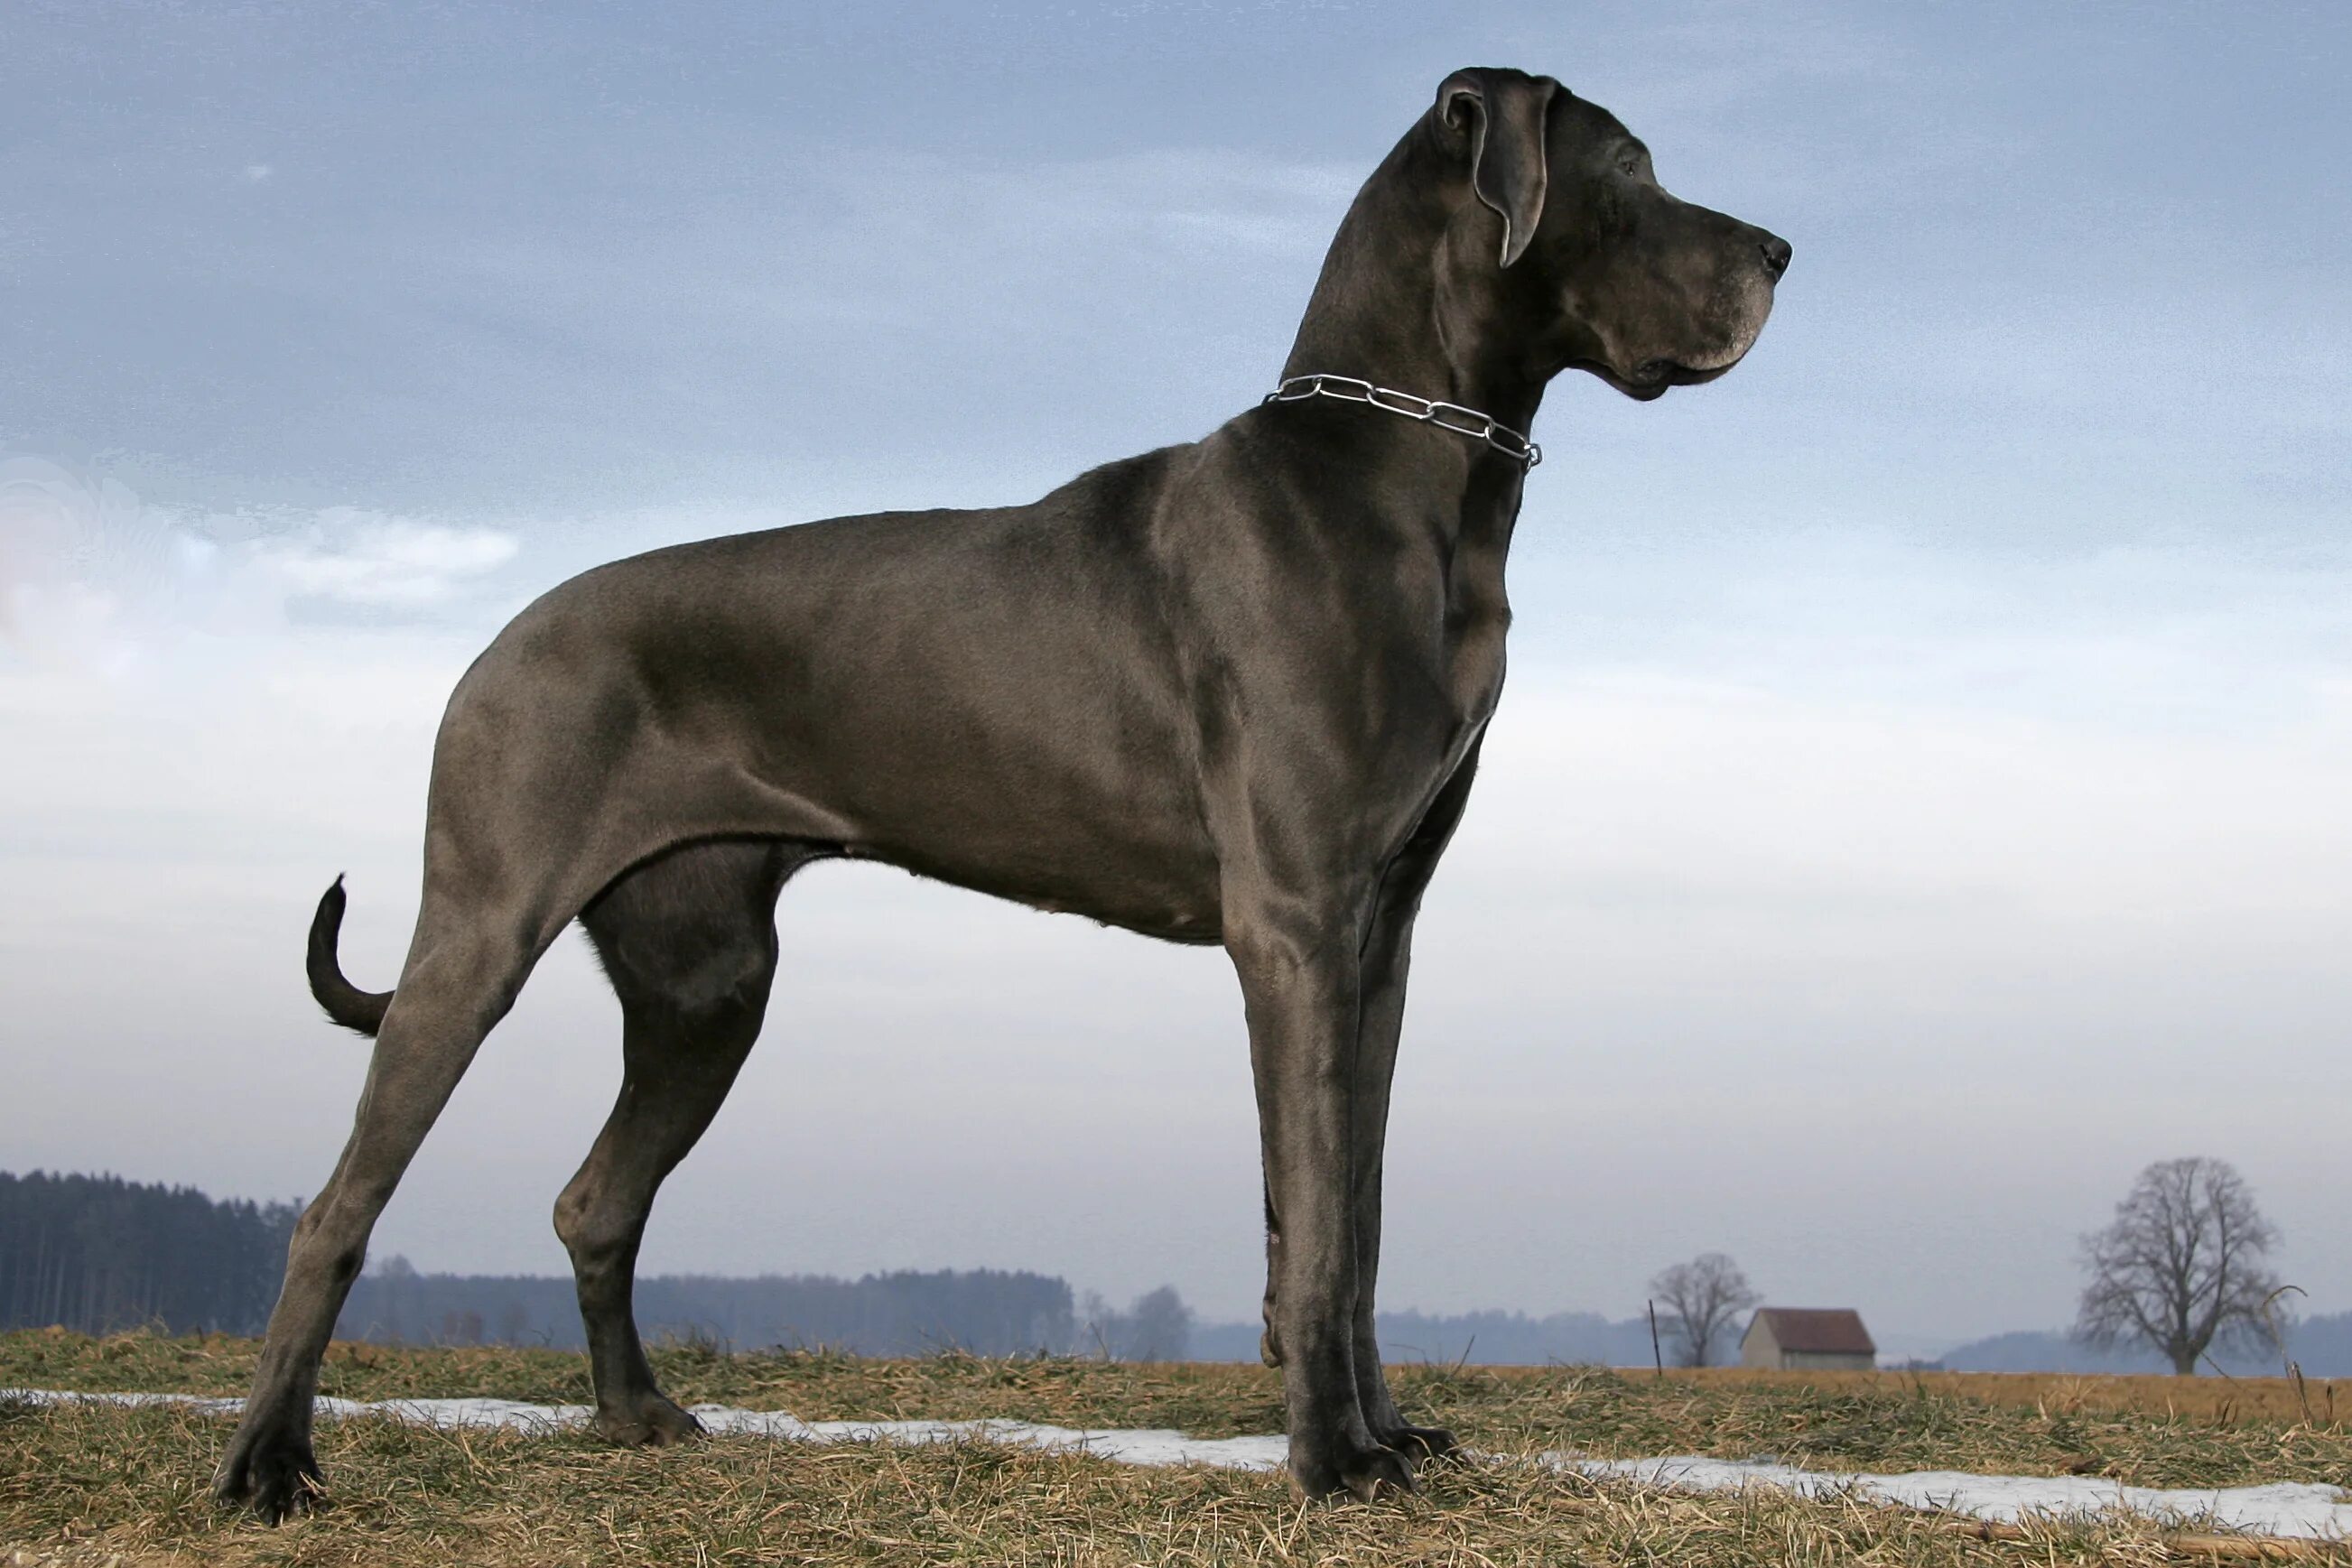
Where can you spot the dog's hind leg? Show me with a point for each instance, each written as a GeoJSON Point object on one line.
{"type": "Point", "coordinates": [689, 944]}
{"type": "Point", "coordinates": [469, 960]}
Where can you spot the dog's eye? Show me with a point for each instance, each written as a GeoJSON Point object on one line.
{"type": "Point", "coordinates": [1630, 164]}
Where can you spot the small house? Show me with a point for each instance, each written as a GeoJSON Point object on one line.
{"type": "Point", "coordinates": [1810, 1339]}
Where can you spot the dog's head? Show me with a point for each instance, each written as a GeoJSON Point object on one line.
{"type": "Point", "coordinates": [1560, 220]}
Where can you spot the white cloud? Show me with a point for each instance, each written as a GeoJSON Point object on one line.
{"type": "Point", "coordinates": [92, 578]}
{"type": "Point", "coordinates": [369, 558]}
{"type": "Point", "coordinates": [1042, 229]}
{"type": "Point", "coordinates": [87, 570]}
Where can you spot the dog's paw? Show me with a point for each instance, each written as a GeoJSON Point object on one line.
{"type": "Point", "coordinates": [1346, 1468]}
{"type": "Point", "coordinates": [649, 1421]}
{"type": "Point", "coordinates": [271, 1472]}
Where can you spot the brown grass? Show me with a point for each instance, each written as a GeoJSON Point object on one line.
{"type": "Point", "coordinates": [80, 1484]}
{"type": "Point", "coordinates": [2320, 1401]}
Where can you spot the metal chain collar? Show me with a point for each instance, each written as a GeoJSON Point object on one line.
{"type": "Point", "coordinates": [1450, 416]}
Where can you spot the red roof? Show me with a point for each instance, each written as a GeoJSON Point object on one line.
{"type": "Point", "coordinates": [1817, 1331]}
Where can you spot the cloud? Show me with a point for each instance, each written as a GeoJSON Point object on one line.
{"type": "Point", "coordinates": [84, 563]}
{"type": "Point", "coordinates": [1199, 198]}
{"type": "Point", "coordinates": [1054, 228]}
{"type": "Point", "coordinates": [359, 557]}
{"type": "Point", "coordinates": [94, 578]}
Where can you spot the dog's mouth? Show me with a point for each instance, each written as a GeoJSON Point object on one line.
{"type": "Point", "coordinates": [1651, 378]}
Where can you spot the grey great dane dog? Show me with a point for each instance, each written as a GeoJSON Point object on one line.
{"type": "Point", "coordinates": [1228, 692]}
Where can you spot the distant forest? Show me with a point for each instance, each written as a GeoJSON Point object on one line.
{"type": "Point", "coordinates": [97, 1254]}
{"type": "Point", "coordinates": [100, 1254]}
{"type": "Point", "coordinates": [2321, 1346]}
{"type": "Point", "coordinates": [983, 1311]}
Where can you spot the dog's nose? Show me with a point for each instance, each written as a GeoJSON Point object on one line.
{"type": "Point", "coordinates": [1776, 255]}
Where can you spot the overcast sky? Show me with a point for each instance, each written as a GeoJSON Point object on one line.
{"type": "Point", "coordinates": [1919, 801]}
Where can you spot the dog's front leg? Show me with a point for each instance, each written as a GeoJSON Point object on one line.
{"type": "Point", "coordinates": [1388, 958]}
{"type": "Point", "coordinates": [1300, 983]}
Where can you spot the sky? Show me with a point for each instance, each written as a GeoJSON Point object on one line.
{"type": "Point", "coordinates": [1918, 801]}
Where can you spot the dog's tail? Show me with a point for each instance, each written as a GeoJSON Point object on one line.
{"type": "Point", "coordinates": [345, 1003]}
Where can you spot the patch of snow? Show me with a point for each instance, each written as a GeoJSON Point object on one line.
{"type": "Point", "coordinates": [2281, 1508]}
{"type": "Point", "coordinates": [1125, 1445]}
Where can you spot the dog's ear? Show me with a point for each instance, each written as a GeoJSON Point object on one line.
{"type": "Point", "coordinates": [1503, 114]}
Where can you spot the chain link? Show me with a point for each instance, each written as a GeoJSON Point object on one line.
{"type": "Point", "coordinates": [1450, 416]}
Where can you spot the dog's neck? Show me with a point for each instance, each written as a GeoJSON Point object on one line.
{"type": "Point", "coordinates": [1400, 304]}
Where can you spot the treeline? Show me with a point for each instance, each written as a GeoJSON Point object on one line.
{"type": "Point", "coordinates": [2320, 1346]}
{"type": "Point", "coordinates": [99, 1253]}
{"type": "Point", "coordinates": [1479, 1339]}
{"type": "Point", "coordinates": [982, 1312]}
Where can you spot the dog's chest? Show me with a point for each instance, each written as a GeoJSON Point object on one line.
{"type": "Point", "coordinates": [1473, 620]}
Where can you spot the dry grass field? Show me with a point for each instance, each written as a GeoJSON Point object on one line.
{"type": "Point", "coordinates": [2312, 1401]}
{"type": "Point", "coordinates": [89, 1484]}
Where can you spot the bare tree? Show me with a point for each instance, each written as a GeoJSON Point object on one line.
{"type": "Point", "coordinates": [1158, 1327]}
{"type": "Point", "coordinates": [2181, 1265]}
{"type": "Point", "coordinates": [1702, 1297]}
